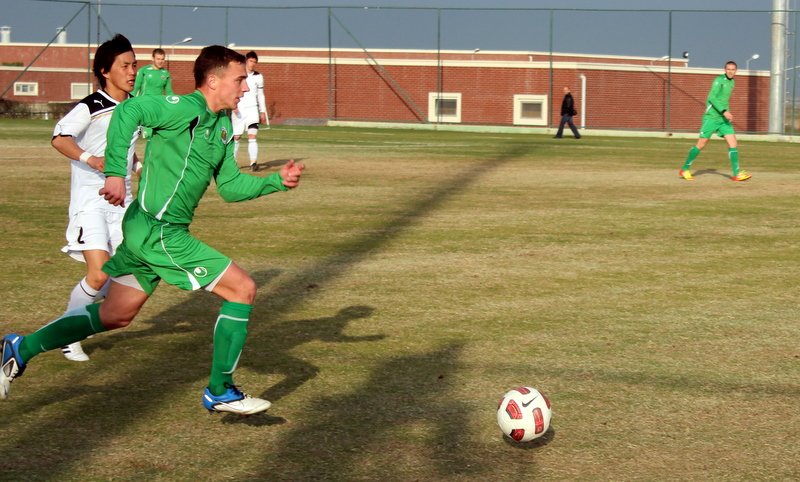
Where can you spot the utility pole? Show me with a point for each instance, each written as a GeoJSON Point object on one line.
{"type": "Point", "coordinates": [778, 68]}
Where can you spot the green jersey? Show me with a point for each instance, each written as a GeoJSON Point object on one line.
{"type": "Point", "coordinates": [152, 81]}
{"type": "Point", "coordinates": [190, 146]}
{"type": "Point", "coordinates": [719, 96]}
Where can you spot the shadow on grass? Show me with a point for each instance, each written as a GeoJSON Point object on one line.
{"type": "Point", "coordinates": [401, 413]}
{"type": "Point", "coordinates": [710, 172]}
{"type": "Point", "coordinates": [270, 164]}
{"type": "Point", "coordinates": [88, 415]}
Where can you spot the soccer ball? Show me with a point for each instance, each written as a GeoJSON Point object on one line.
{"type": "Point", "coordinates": [523, 414]}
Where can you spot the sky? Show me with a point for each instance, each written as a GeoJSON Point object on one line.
{"type": "Point", "coordinates": [712, 31]}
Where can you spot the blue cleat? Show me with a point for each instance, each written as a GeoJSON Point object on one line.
{"type": "Point", "coordinates": [12, 366]}
{"type": "Point", "coordinates": [234, 401]}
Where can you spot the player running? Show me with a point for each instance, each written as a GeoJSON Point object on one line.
{"type": "Point", "coordinates": [251, 111]}
{"type": "Point", "coordinates": [95, 226]}
{"type": "Point", "coordinates": [191, 145]}
{"type": "Point", "coordinates": [718, 119]}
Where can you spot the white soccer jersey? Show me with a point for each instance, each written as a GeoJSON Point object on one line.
{"type": "Point", "coordinates": [87, 123]}
{"type": "Point", "coordinates": [253, 100]}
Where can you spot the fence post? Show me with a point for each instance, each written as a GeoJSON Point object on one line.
{"type": "Point", "coordinates": [669, 72]}
{"type": "Point", "coordinates": [331, 111]}
{"type": "Point", "coordinates": [439, 66]}
{"type": "Point", "coordinates": [550, 47]}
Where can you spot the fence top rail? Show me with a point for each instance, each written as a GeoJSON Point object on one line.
{"type": "Point", "coordinates": [400, 7]}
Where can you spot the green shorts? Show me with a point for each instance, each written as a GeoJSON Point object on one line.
{"type": "Point", "coordinates": [152, 250]}
{"type": "Point", "coordinates": [720, 125]}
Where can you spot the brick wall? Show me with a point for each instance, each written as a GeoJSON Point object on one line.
{"type": "Point", "coordinates": [621, 93]}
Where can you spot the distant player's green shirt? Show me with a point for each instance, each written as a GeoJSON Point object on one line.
{"type": "Point", "coordinates": [190, 146]}
{"type": "Point", "coordinates": [718, 100]}
{"type": "Point", "coordinates": [152, 81]}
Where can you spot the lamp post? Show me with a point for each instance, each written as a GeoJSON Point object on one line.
{"type": "Point", "coordinates": [660, 59]}
{"type": "Point", "coordinates": [184, 41]}
{"type": "Point", "coordinates": [747, 62]}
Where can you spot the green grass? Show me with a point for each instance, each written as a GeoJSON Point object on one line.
{"type": "Point", "coordinates": [410, 281]}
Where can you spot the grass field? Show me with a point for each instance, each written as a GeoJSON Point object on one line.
{"type": "Point", "coordinates": [409, 282]}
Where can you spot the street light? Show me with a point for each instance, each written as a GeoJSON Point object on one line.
{"type": "Point", "coordinates": [184, 41]}
{"type": "Point", "coordinates": [660, 59]}
{"type": "Point", "coordinates": [753, 57]}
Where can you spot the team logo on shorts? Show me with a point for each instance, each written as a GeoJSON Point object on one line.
{"type": "Point", "coordinates": [200, 272]}
{"type": "Point", "coordinates": [173, 99]}
{"type": "Point", "coordinates": [223, 132]}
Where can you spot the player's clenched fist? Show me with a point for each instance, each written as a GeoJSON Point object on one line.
{"type": "Point", "coordinates": [114, 191]}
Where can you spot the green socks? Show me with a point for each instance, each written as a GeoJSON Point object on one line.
{"type": "Point", "coordinates": [75, 325]}
{"type": "Point", "coordinates": [230, 333]}
{"type": "Point", "coordinates": [72, 326]}
{"type": "Point", "coordinates": [693, 153]}
{"type": "Point", "coordinates": [733, 154]}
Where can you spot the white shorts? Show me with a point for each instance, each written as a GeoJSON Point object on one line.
{"type": "Point", "coordinates": [244, 119]}
{"type": "Point", "coordinates": [89, 230]}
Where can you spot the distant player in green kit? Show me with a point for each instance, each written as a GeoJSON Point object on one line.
{"type": "Point", "coordinates": [191, 145]}
{"type": "Point", "coordinates": [717, 119]}
{"type": "Point", "coordinates": [153, 79]}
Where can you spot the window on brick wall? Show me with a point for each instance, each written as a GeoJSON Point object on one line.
{"type": "Point", "coordinates": [530, 110]}
{"type": "Point", "coordinates": [444, 107]}
{"type": "Point", "coordinates": [26, 88]}
{"type": "Point", "coordinates": [79, 90]}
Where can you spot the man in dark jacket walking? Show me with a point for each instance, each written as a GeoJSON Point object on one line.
{"type": "Point", "coordinates": [567, 111]}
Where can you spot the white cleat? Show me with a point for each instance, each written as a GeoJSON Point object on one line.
{"type": "Point", "coordinates": [11, 364]}
{"type": "Point", "coordinates": [74, 352]}
{"type": "Point", "coordinates": [234, 401]}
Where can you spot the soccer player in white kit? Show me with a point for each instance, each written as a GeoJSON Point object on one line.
{"type": "Point", "coordinates": [95, 226]}
{"type": "Point", "coordinates": [251, 111]}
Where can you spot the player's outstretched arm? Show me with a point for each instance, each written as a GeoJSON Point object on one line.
{"type": "Point", "coordinates": [290, 173]}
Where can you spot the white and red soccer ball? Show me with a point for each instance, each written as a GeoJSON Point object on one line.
{"type": "Point", "coordinates": [523, 414]}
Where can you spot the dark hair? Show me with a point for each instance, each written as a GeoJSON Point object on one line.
{"type": "Point", "coordinates": [251, 55]}
{"type": "Point", "coordinates": [106, 54]}
{"type": "Point", "coordinates": [158, 51]}
{"type": "Point", "coordinates": [731, 62]}
{"type": "Point", "coordinates": [213, 57]}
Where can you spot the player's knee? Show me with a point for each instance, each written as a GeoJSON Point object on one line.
{"type": "Point", "coordinates": [116, 315]}
{"type": "Point", "coordinates": [247, 290]}
{"type": "Point", "coordinates": [96, 279]}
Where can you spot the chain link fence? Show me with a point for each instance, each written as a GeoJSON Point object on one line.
{"type": "Point", "coordinates": [628, 69]}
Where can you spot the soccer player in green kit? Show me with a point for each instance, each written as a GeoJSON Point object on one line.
{"type": "Point", "coordinates": [717, 119]}
{"type": "Point", "coordinates": [191, 144]}
{"type": "Point", "coordinates": [153, 79]}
